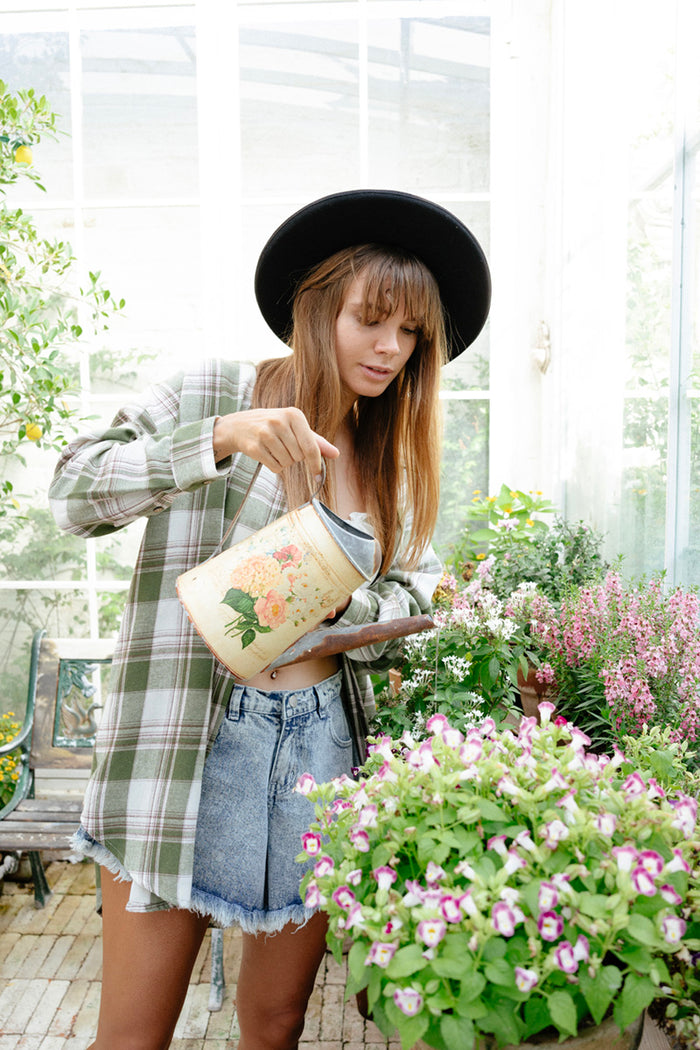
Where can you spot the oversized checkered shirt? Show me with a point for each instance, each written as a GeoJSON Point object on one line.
{"type": "Point", "coordinates": [168, 693]}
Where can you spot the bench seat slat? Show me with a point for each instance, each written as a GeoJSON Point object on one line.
{"type": "Point", "coordinates": [68, 808]}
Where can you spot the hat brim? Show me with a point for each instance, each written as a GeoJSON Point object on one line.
{"type": "Point", "coordinates": [425, 229]}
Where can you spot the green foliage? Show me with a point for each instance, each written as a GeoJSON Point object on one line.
{"type": "Point", "coordinates": [503, 883]}
{"type": "Point", "coordinates": [509, 545]}
{"type": "Point", "coordinates": [43, 309]}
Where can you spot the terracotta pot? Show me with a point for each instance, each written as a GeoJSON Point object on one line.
{"type": "Point", "coordinates": [605, 1036]}
{"type": "Point", "coordinates": [533, 693]}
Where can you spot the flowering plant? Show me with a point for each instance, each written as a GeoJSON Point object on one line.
{"type": "Point", "coordinates": [510, 545]}
{"type": "Point", "coordinates": [466, 667]}
{"type": "Point", "coordinates": [504, 882]}
{"type": "Point", "coordinates": [622, 657]}
{"type": "Point", "coordinates": [9, 763]}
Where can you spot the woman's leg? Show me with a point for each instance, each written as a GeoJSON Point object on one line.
{"type": "Point", "coordinates": [274, 984]}
{"type": "Point", "coordinates": [147, 960]}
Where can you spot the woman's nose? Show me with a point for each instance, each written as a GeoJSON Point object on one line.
{"type": "Point", "coordinates": [388, 340]}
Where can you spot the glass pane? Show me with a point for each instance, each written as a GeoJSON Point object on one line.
{"type": "Point", "coordinates": [470, 371]}
{"type": "Point", "coordinates": [299, 107]}
{"type": "Point", "coordinates": [31, 545]}
{"type": "Point", "coordinates": [63, 614]}
{"type": "Point", "coordinates": [464, 466]}
{"type": "Point", "coordinates": [140, 112]}
{"type": "Point", "coordinates": [154, 260]}
{"type": "Point", "coordinates": [40, 61]}
{"type": "Point", "coordinates": [429, 104]}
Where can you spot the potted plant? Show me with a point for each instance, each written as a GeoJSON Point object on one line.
{"type": "Point", "coordinates": [467, 667]}
{"type": "Point", "coordinates": [508, 543]}
{"type": "Point", "coordinates": [498, 884]}
{"type": "Point", "coordinates": [623, 656]}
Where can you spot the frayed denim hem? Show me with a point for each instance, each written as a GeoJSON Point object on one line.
{"type": "Point", "coordinates": [224, 913]}
{"type": "Point", "coordinates": [87, 846]}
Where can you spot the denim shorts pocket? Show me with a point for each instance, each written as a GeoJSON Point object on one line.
{"type": "Point", "coordinates": [338, 724]}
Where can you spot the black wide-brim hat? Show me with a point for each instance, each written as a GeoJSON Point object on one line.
{"type": "Point", "coordinates": [342, 220]}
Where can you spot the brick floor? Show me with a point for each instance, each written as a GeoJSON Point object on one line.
{"type": "Point", "coordinates": [50, 971]}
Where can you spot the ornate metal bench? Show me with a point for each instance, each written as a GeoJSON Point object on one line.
{"type": "Point", "coordinates": [67, 681]}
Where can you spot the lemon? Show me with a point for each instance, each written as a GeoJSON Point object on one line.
{"type": "Point", "coordinates": [23, 155]}
{"type": "Point", "coordinates": [33, 431]}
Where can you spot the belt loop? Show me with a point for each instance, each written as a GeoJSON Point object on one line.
{"type": "Point", "coordinates": [317, 694]}
{"type": "Point", "coordinates": [234, 704]}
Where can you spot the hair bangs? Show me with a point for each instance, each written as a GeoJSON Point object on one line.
{"type": "Point", "coordinates": [394, 279]}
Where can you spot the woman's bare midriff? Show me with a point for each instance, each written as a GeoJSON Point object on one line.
{"type": "Point", "coordinates": [296, 676]}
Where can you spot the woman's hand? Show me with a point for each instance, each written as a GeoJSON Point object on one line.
{"type": "Point", "coordinates": [276, 437]}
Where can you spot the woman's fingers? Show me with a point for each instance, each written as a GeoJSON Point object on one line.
{"type": "Point", "coordinates": [276, 437]}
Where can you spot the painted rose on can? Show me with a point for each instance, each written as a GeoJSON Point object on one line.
{"type": "Point", "coordinates": [265, 595]}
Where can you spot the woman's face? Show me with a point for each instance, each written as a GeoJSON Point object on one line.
{"type": "Point", "coordinates": [370, 354]}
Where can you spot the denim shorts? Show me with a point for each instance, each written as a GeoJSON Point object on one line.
{"type": "Point", "coordinates": [251, 819]}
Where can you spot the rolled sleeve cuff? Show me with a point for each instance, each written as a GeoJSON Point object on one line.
{"type": "Point", "coordinates": [192, 455]}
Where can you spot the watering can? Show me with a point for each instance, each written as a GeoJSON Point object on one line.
{"type": "Point", "coordinates": [255, 600]}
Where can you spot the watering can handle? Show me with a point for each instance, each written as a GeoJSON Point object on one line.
{"type": "Point", "coordinates": [248, 491]}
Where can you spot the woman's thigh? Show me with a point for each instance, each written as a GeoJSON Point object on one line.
{"type": "Point", "coordinates": [147, 963]}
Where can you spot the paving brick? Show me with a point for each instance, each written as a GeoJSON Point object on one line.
{"type": "Point", "coordinates": [64, 1019]}
{"type": "Point", "coordinates": [47, 1006]}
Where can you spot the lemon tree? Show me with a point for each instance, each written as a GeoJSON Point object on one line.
{"type": "Point", "coordinates": [44, 308]}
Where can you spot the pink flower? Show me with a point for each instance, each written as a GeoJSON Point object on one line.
{"type": "Point", "coordinates": [466, 903]}
{"type": "Point", "coordinates": [324, 866]}
{"type": "Point", "coordinates": [367, 817]}
{"type": "Point", "coordinates": [550, 925]}
{"type": "Point", "coordinates": [525, 980]}
{"type": "Point", "coordinates": [431, 931]}
{"type": "Point", "coordinates": [547, 897]}
{"type": "Point", "coordinates": [289, 555]}
{"type": "Point", "coordinates": [314, 898]}
{"type": "Point", "coordinates": [643, 882]}
{"type": "Point", "coordinates": [433, 872]}
{"type": "Point", "coordinates": [555, 831]}
{"type": "Point", "coordinates": [546, 710]}
{"type": "Point", "coordinates": [450, 909]}
{"type": "Point", "coordinates": [380, 954]}
{"type": "Point", "coordinates": [359, 838]}
{"type": "Point", "coordinates": [582, 949]}
{"type": "Point", "coordinates": [311, 843]}
{"type": "Point", "coordinates": [686, 814]}
{"type": "Point", "coordinates": [497, 842]}
{"type": "Point", "coordinates": [565, 958]}
{"type": "Point", "coordinates": [271, 609]}
{"type": "Point", "coordinates": [503, 918]}
{"type": "Point", "coordinates": [670, 895]}
{"type": "Point", "coordinates": [385, 877]}
{"type": "Point", "coordinates": [625, 857]}
{"type": "Point", "coordinates": [652, 861]}
{"type": "Point", "coordinates": [606, 823]}
{"type": "Point", "coordinates": [409, 1001]}
{"type": "Point", "coordinates": [679, 863]}
{"type": "Point", "coordinates": [305, 784]}
{"type": "Point", "coordinates": [634, 786]}
{"type": "Point", "coordinates": [354, 877]}
{"type": "Point", "coordinates": [673, 928]}
{"type": "Point", "coordinates": [437, 725]}
{"type": "Point", "coordinates": [343, 897]}
{"type": "Point", "coordinates": [354, 917]}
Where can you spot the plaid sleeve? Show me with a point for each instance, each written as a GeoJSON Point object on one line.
{"type": "Point", "coordinates": [141, 462]}
{"type": "Point", "coordinates": [398, 593]}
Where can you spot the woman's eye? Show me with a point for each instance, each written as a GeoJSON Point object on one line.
{"type": "Point", "coordinates": [409, 331]}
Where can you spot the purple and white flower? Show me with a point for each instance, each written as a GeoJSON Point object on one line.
{"type": "Point", "coordinates": [673, 928]}
{"type": "Point", "coordinates": [311, 843]}
{"type": "Point", "coordinates": [670, 895]}
{"type": "Point", "coordinates": [359, 838]}
{"type": "Point", "coordinates": [385, 877]}
{"type": "Point", "coordinates": [431, 931]}
{"type": "Point", "coordinates": [343, 897]}
{"type": "Point", "coordinates": [546, 710]}
{"type": "Point", "coordinates": [564, 957]}
{"type": "Point", "coordinates": [550, 925]}
{"type": "Point", "coordinates": [555, 831]}
{"type": "Point", "coordinates": [503, 918]}
{"type": "Point", "coordinates": [409, 1001]}
{"type": "Point", "coordinates": [305, 784]}
{"type": "Point", "coordinates": [634, 786]}
{"type": "Point", "coordinates": [606, 823]}
{"type": "Point", "coordinates": [525, 980]}
{"type": "Point", "coordinates": [643, 882]}
{"type": "Point", "coordinates": [354, 877]}
{"type": "Point", "coordinates": [625, 856]}
{"type": "Point", "coordinates": [380, 954]}
{"type": "Point", "coordinates": [450, 908]}
{"type": "Point", "coordinates": [324, 866]}
{"type": "Point", "coordinates": [547, 896]}
{"type": "Point", "coordinates": [652, 861]}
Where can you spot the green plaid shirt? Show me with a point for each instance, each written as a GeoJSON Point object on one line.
{"type": "Point", "coordinates": [168, 693]}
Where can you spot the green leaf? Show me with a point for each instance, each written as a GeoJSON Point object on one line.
{"type": "Point", "coordinates": [563, 1011]}
{"type": "Point", "coordinates": [407, 960]}
{"type": "Point", "coordinates": [240, 601]}
{"type": "Point", "coordinates": [470, 988]}
{"type": "Point", "coordinates": [642, 929]}
{"type": "Point", "coordinates": [489, 810]}
{"type": "Point", "coordinates": [599, 991]}
{"type": "Point", "coordinates": [356, 962]}
{"type": "Point", "coordinates": [499, 972]}
{"type": "Point", "coordinates": [636, 995]}
{"type": "Point", "coordinates": [247, 638]}
{"type": "Point", "coordinates": [457, 1031]}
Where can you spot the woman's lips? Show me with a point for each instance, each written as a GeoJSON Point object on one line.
{"type": "Point", "coordinates": [376, 373]}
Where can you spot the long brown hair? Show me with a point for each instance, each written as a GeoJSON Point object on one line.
{"type": "Point", "coordinates": [396, 435]}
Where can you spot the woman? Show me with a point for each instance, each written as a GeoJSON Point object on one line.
{"type": "Point", "coordinates": [191, 811]}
